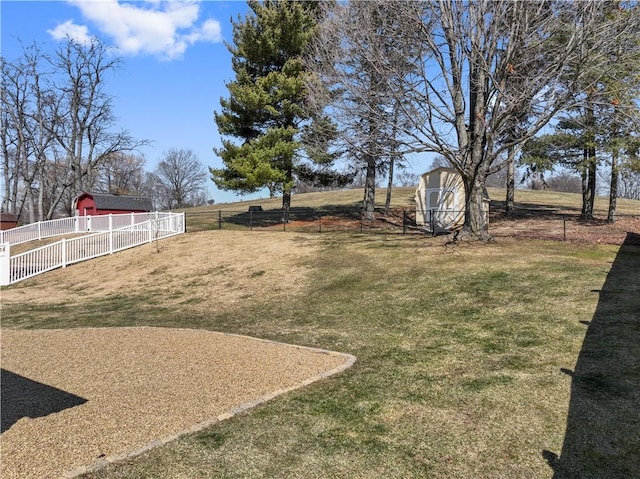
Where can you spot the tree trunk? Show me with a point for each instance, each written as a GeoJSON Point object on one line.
{"type": "Point", "coordinates": [511, 182]}
{"type": "Point", "coordinates": [31, 205]}
{"type": "Point", "coordinates": [588, 184]}
{"type": "Point", "coordinates": [613, 190]}
{"type": "Point", "coordinates": [589, 156]}
{"type": "Point", "coordinates": [286, 202]}
{"type": "Point", "coordinates": [41, 216]}
{"type": "Point", "coordinates": [475, 221]}
{"type": "Point", "coordinates": [387, 203]}
{"type": "Point", "coordinates": [286, 193]}
{"type": "Point", "coordinates": [370, 189]}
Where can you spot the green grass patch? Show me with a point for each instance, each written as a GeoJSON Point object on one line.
{"type": "Point", "coordinates": [460, 364]}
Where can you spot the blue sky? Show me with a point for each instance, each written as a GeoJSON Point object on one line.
{"type": "Point", "coordinates": [174, 70]}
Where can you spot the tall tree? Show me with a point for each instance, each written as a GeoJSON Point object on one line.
{"type": "Point", "coordinates": [85, 116]}
{"type": "Point", "coordinates": [621, 94]}
{"type": "Point", "coordinates": [182, 177]}
{"type": "Point", "coordinates": [15, 106]}
{"type": "Point", "coordinates": [266, 107]}
{"type": "Point", "coordinates": [29, 112]}
{"type": "Point", "coordinates": [122, 173]}
{"type": "Point", "coordinates": [353, 42]}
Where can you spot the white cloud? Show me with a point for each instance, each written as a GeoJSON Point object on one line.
{"type": "Point", "coordinates": [157, 27]}
{"type": "Point", "coordinates": [79, 33]}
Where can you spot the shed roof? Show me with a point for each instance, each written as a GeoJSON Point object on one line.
{"type": "Point", "coordinates": [105, 201]}
{"type": "Point", "coordinates": [440, 169]}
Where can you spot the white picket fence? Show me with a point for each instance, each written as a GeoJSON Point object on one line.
{"type": "Point", "coordinates": [74, 224]}
{"type": "Point", "coordinates": [109, 236]}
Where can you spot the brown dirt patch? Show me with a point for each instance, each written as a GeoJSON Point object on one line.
{"type": "Point", "coordinates": [557, 227]}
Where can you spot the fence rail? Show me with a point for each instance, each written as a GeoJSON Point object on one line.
{"type": "Point", "coordinates": [74, 224]}
{"type": "Point", "coordinates": [68, 251]}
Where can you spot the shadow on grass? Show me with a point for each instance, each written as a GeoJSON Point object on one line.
{"type": "Point", "coordinates": [23, 397]}
{"type": "Point", "coordinates": [602, 437]}
{"type": "Point", "coordinates": [271, 217]}
{"type": "Point", "coordinates": [245, 219]}
{"type": "Point", "coordinates": [532, 209]}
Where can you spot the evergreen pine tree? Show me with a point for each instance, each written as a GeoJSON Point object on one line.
{"type": "Point", "coordinates": [266, 107]}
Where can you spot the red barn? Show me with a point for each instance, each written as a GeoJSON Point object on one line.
{"type": "Point", "coordinates": [93, 204]}
{"type": "Point", "coordinates": [8, 221]}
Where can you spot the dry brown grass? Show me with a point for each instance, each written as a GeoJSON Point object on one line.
{"type": "Point", "coordinates": [200, 268]}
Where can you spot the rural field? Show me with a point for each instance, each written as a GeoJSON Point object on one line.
{"type": "Point", "coordinates": [512, 359]}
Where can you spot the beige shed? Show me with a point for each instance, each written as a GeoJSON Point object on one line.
{"type": "Point", "coordinates": [440, 200]}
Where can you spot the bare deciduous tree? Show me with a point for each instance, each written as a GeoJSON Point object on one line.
{"type": "Point", "coordinates": [85, 117]}
{"type": "Point", "coordinates": [121, 173]}
{"type": "Point", "coordinates": [57, 126]}
{"type": "Point", "coordinates": [15, 87]}
{"type": "Point", "coordinates": [182, 177]}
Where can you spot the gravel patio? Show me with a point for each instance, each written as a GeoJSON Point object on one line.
{"type": "Point", "coordinates": [76, 399]}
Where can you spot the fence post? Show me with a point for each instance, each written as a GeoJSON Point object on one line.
{"type": "Point", "coordinates": [250, 220]}
{"type": "Point", "coordinates": [564, 227]}
{"type": "Point", "coordinates": [110, 234]}
{"type": "Point", "coordinates": [320, 224]}
{"type": "Point", "coordinates": [432, 222]}
{"type": "Point", "coordinates": [39, 231]}
{"type": "Point", "coordinates": [133, 219]}
{"type": "Point", "coordinates": [64, 253]}
{"type": "Point", "coordinates": [219, 219]}
{"type": "Point", "coordinates": [404, 221]}
{"type": "Point", "coordinates": [5, 263]}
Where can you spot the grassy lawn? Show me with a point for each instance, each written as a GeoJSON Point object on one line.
{"type": "Point", "coordinates": [485, 361]}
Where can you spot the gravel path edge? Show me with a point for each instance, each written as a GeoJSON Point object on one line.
{"type": "Point", "coordinates": [105, 461]}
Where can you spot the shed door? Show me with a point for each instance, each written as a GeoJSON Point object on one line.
{"type": "Point", "coordinates": [442, 205]}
